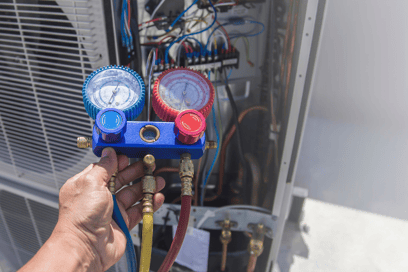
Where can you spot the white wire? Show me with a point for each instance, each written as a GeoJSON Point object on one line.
{"type": "Point", "coordinates": [156, 9]}
{"type": "Point", "coordinates": [178, 50]}
{"type": "Point", "coordinates": [224, 4]}
{"type": "Point", "coordinates": [216, 36]}
{"type": "Point", "coordinates": [209, 213]}
{"type": "Point", "coordinates": [191, 14]}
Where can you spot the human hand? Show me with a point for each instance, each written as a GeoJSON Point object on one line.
{"type": "Point", "coordinates": [86, 206]}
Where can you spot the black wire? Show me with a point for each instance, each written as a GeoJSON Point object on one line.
{"type": "Point", "coordinates": [238, 131]}
{"type": "Point", "coordinates": [137, 255]}
{"type": "Point", "coordinates": [235, 115]}
{"type": "Point", "coordinates": [140, 29]}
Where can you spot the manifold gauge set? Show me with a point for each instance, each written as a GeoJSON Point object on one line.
{"type": "Point", "coordinates": [182, 98]}
{"type": "Point", "coordinates": [114, 97]}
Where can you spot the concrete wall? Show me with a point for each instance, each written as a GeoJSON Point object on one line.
{"type": "Point", "coordinates": [355, 148]}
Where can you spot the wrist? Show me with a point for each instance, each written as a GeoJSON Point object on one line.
{"type": "Point", "coordinates": [63, 252]}
{"type": "Point", "coordinates": [84, 256]}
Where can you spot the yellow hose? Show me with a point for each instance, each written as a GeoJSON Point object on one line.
{"type": "Point", "coordinates": [147, 239]}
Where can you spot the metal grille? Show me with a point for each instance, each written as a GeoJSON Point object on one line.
{"type": "Point", "coordinates": [47, 49]}
{"type": "Point", "coordinates": [25, 225]}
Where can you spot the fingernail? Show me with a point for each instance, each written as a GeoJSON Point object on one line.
{"type": "Point", "coordinates": [106, 152]}
{"type": "Point", "coordinates": [160, 182]}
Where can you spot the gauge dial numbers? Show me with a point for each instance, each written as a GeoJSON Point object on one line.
{"type": "Point", "coordinates": [114, 87]}
{"type": "Point", "coordinates": [182, 89]}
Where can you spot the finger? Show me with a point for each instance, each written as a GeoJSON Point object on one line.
{"type": "Point", "coordinates": [131, 194]}
{"type": "Point", "coordinates": [134, 213]}
{"type": "Point", "coordinates": [104, 169]}
{"type": "Point", "coordinates": [123, 162]}
{"type": "Point", "coordinates": [129, 174]}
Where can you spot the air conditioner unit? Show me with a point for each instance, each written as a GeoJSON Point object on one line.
{"type": "Point", "coordinates": [27, 218]}
{"type": "Point", "coordinates": [47, 49]}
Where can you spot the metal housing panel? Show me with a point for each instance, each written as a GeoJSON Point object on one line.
{"type": "Point", "coordinates": [46, 52]}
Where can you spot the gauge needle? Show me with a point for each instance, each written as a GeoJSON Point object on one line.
{"type": "Point", "coordinates": [113, 94]}
{"type": "Point", "coordinates": [184, 93]}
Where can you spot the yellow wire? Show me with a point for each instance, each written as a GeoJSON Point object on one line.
{"type": "Point", "coordinates": [246, 46]}
{"type": "Point", "coordinates": [215, 40]}
{"type": "Point", "coordinates": [198, 20]}
{"type": "Point", "coordinates": [147, 240]}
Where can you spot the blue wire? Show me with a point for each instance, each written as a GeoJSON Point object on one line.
{"type": "Point", "coordinates": [252, 35]}
{"type": "Point", "coordinates": [197, 41]}
{"type": "Point", "coordinates": [237, 22]}
{"type": "Point", "coordinates": [229, 75]}
{"type": "Point", "coordinates": [191, 34]}
{"type": "Point", "coordinates": [130, 249]}
{"type": "Point", "coordinates": [181, 14]}
{"type": "Point", "coordinates": [216, 152]}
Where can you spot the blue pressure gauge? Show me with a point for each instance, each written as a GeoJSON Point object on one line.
{"type": "Point", "coordinates": [114, 87]}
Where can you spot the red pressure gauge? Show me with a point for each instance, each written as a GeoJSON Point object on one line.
{"type": "Point", "coordinates": [180, 89]}
{"type": "Point", "coordinates": [189, 126]}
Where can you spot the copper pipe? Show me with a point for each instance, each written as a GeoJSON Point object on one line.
{"type": "Point", "coordinates": [176, 200]}
{"type": "Point", "coordinates": [290, 57]}
{"type": "Point", "coordinates": [285, 47]}
{"type": "Point", "coordinates": [256, 178]}
{"type": "Point", "coordinates": [166, 169]}
{"type": "Point", "coordinates": [225, 239]}
{"type": "Point", "coordinates": [251, 263]}
{"type": "Point", "coordinates": [256, 245]}
{"type": "Point", "coordinates": [224, 256]}
{"type": "Point", "coordinates": [268, 162]}
{"type": "Point", "coordinates": [224, 150]}
{"type": "Point", "coordinates": [285, 43]}
{"type": "Point", "coordinates": [272, 152]}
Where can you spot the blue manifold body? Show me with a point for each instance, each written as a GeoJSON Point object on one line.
{"type": "Point", "coordinates": [132, 145]}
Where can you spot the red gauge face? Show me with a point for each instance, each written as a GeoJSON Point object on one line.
{"type": "Point", "coordinates": [181, 89]}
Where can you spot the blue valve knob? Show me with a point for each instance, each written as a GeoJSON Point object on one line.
{"type": "Point", "coordinates": [111, 125]}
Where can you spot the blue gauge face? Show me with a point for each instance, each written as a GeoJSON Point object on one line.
{"type": "Point", "coordinates": [114, 88]}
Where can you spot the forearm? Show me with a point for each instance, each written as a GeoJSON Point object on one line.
{"type": "Point", "coordinates": [64, 253]}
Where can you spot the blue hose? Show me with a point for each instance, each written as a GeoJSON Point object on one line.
{"type": "Point", "coordinates": [130, 249]}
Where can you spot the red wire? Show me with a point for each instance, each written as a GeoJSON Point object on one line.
{"type": "Point", "coordinates": [161, 41]}
{"type": "Point", "coordinates": [128, 13]}
{"type": "Point", "coordinates": [180, 234]}
{"type": "Point", "coordinates": [151, 21]}
{"type": "Point", "coordinates": [185, 47]}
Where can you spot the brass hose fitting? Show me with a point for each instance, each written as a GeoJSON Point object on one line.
{"type": "Point", "coordinates": [255, 246]}
{"type": "Point", "coordinates": [225, 239]}
{"type": "Point", "coordinates": [112, 183]}
{"type": "Point", "coordinates": [148, 163]}
{"type": "Point", "coordinates": [148, 183]}
{"type": "Point", "coordinates": [186, 172]}
{"type": "Point", "coordinates": [84, 142]}
{"type": "Point", "coordinates": [210, 145]}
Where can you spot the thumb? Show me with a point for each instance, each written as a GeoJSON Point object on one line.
{"type": "Point", "coordinates": [107, 165]}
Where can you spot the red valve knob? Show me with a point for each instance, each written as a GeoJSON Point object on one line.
{"type": "Point", "coordinates": [189, 126]}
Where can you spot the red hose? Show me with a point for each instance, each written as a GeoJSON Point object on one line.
{"type": "Point", "coordinates": [180, 234]}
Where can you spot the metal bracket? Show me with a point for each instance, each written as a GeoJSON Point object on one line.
{"type": "Point", "coordinates": [244, 219]}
